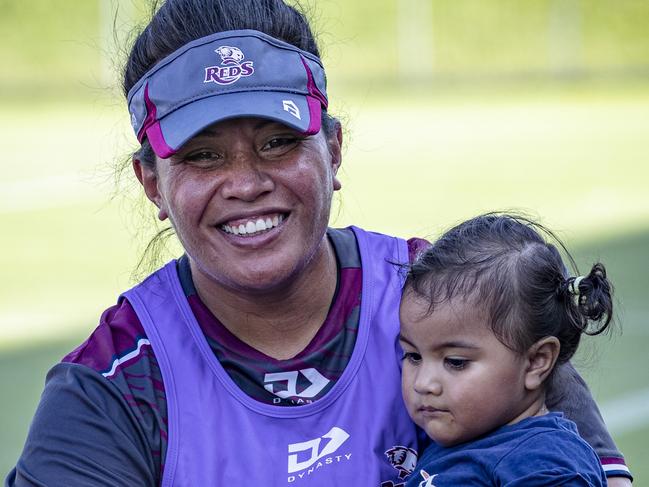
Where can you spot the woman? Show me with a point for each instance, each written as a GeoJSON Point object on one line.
{"type": "Point", "coordinates": [253, 359]}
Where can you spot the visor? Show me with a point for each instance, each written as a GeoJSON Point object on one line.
{"type": "Point", "coordinates": [239, 73]}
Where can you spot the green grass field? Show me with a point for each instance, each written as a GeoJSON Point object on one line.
{"type": "Point", "coordinates": [415, 163]}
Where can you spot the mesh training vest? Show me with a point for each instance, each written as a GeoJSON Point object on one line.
{"type": "Point", "coordinates": [358, 434]}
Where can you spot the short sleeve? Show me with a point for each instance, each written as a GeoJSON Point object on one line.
{"type": "Point", "coordinates": [83, 434]}
{"type": "Point", "coordinates": [550, 459]}
{"type": "Point", "coordinates": [568, 393]}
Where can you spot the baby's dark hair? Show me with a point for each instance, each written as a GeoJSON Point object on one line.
{"type": "Point", "coordinates": [503, 263]}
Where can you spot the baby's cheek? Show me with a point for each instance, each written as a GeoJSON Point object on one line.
{"type": "Point", "coordinates": [407, 389]}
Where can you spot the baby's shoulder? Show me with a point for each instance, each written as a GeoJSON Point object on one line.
{"type": "Point", "coordinates": [549, 448]}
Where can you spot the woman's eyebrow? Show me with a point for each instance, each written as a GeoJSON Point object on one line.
{"type": "Point", "coordinates": [264, 122]}
{"type": "Point", "coordinates": [208, 132]}
{"type": "Point", "coordinates": [212, 132]}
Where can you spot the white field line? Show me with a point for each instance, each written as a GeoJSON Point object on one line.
{"type": "Point", "coordinates": [19, 328]}
{"type": "Point", "coordinates": [47, 192]}
{"type": "Point", "coordinates": [629, 412]}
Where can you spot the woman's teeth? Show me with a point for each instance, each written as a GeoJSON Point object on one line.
{"type": "Point", "coordinates": [253, 226]}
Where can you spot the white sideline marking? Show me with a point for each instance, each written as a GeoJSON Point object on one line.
{"type": "Point", "coordinates": [44, 193]}
{"type": "Point", "coordinates": [627, 413]}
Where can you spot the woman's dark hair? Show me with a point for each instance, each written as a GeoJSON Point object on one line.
{"type": "Point", "coordinates": [503, 264]}
{"type": "Point", "coordinates": [177, 22]}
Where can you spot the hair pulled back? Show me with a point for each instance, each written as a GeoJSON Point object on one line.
{"type": "Point", "coordinates": [178, 22]}
{"type": "Point", "coordinates": [503, 264]}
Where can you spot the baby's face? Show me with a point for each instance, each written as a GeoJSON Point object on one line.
{"type": "Point", "coordinates": [459, 381]}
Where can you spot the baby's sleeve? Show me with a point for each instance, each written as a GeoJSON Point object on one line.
{"type": "Point", "coordinates": [568, 462]}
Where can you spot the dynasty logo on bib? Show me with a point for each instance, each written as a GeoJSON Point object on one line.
{"type": "Point", "coordinates": [232, 68]}
{"type": "Point", "coordinates": [307, 457]}
{"type": "Point", "coordinates": [284, 385]}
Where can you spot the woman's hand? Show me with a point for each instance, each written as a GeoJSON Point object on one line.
{"type": "Point", "coordinates": [619, 482]}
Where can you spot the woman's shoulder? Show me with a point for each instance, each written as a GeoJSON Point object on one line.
{"type": "Point", "coordinates": [118, 341]}
{"type": "Point", "coordinates": [344, 242]}
{"type": "Point", "coordinates": [118, 357]}
{"type": "Point", "coordinates": [112, 377]}
{"type": "Point", "coordinates": [416, 246]}
{"type": "Point", "coordinates": [119, 354]}
{"type": "Point", "coordinates": [85, 419]}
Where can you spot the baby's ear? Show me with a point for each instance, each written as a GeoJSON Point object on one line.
{"type": "Point", "coordinates": [541, 357]}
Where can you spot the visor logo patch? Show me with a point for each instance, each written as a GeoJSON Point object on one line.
{"type": "Point", "coordinates": [232, 68]}
{"type": "Point", "coordinates": [292, 108]}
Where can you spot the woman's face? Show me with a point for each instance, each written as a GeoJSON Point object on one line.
{"type": "Point", "coordinates": [249, 199]}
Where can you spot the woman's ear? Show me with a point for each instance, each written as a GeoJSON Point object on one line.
{"type": "Point", "coordinates": [541, 358]}
{"type": "Point", "coordinates": [335, 144]}
{"type": "Point", "coordinates": [149, 181]}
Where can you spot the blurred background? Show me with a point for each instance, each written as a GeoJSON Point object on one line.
{"type": "Point", "coordinates": [450, 108]}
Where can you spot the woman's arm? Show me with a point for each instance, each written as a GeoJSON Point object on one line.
{"type": "Point", "coordinates": [569, 394]}
{"type": "Point", "coordinates": [83, 434]}
{"type": "Point", "coordinates": [619, 482]}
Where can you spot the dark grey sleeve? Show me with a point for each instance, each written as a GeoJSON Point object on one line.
{"type": "Point", "coordinates": [569, 394]}
{"type": "Point", "coordinates": [83, 434]}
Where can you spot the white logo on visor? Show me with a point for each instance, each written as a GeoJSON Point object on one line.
{"type": "Point", "coordinates": [336, 436]}
{"type": "Point", "coordinates": [291, 107]}
{"type": "Point", "coordinates": [232, 67]}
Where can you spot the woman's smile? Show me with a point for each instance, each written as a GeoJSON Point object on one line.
{"type": "Point", "coordinates": [256, 214]}
{"type": "Point", "coordinates": [252, 226]}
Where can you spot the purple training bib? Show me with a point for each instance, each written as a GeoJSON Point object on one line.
{"type": "Point", "coordinates": [358, 434]}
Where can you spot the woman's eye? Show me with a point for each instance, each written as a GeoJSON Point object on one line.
{"type": "Point", "coordinates": [412, 357]}
{"type": "Point", "coordinates": [456, 363]}
{"type": "Point", "coordinates": [280, 143]}
{"type": "Point", "coordinates": [203, 158]}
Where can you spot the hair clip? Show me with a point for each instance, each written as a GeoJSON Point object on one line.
{"type": "Point", "coordinates": [573, 286]}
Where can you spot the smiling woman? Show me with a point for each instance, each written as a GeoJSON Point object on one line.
{"type": "Point", "coordinates": [220, 189]}
{"type": "Point", "coordinates": [245, 361]}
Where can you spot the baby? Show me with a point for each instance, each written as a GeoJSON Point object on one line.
{"type": "Point", "coordinates": [487, 313]}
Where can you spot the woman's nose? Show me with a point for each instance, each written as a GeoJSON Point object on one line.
{"type": "Point", "coordinates": [246, 179]}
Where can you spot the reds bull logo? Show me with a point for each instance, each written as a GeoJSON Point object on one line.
{"type": "Point", "coordinates": [232, 67]}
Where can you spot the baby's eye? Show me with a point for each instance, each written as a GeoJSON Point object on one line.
{"type": "Point", "coordinates": [455, 363]}
{"type": "Point", "coordinates": [411, 357]}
